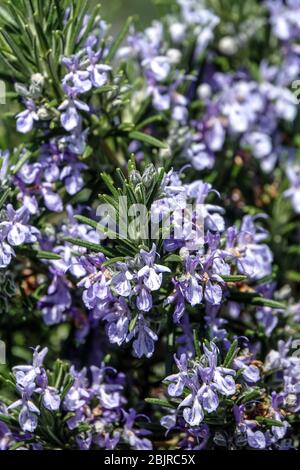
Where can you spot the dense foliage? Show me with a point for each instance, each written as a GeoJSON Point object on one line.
{"type": "Point", "coordinates": [127, 335]}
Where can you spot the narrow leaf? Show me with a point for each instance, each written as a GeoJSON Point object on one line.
{"type": "Point", "coordinates": [267, 303]}
{"type": "Point", "coordinates": [234, 278]}
{"type": "Point", "coordinates": [37, 253]}
{"type": "Point", "coordinates": [4, 197]}
{"type": "Point", "coordinates": [113, 260]}
{"type": "Point", "coordinates": [269, 422]}
{"type": "Point", "coordinates": [231, 353]}
{"type": "Point", "coordinates": [196, 344]}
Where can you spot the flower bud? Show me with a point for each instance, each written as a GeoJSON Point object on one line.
{"type": "Point", "coordinates": [174, 55]}
{"type": "Point", "coordinates": [148, 175]}
{"type": "Point", "coordinates": [38, 80]}
{"type": "Point", "coordinates": [204, 91]}
{"type": "Point", "coordinates": [177, 31]}
{"type": "Point", "coordinates": [37, 83]}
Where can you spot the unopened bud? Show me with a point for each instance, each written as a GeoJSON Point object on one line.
{"type": "Point", "coordinates": [165, 153]}
{"type": "Point", "coordinates": [36, 87]}
{"type": "Point", "coordinates": [177, 31]}
{"type": "Point", "coordinates": [43, 114]}
{"type": "Point", "coordinates": [37, 79]}
{"type": "Point", "coordinates": [148, 175]}
{"type": "Point", "coordinates": [228, 45]}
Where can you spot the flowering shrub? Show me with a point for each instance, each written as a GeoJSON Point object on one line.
{"type": "Point", "coordinates": [149, 227]}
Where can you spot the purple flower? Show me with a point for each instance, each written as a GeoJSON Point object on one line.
{"type": "Point", "coordinates": [277, 402]}
{"type": "Point", "coordinates": [190, 285]}
{"type": "Point", "coordinates": [26, 375]}
{"type": "Point", "coordinates": [28, 416]}
{"type": "Point", "coordinates": [118, 317]}
{"type": "Point", "coordinates": [260, 144]}
{"type": "Point", "coordinates": [157, 67]}
{"type": "Point", "coordinates": [256, 439]}
{"type": "Point", "coordinates": [253, 259]}
{"type": "Point", "coordinates": [6, 437]}
{"type": "Point", "coordinates": [196, 284]}
{"type": "Point", "coordinates": [196, 438]}
{"type": "Point", "coordinates": [52, 200]}
{"type": "Point", "coordinates": [76, 81]}
{"type": "Point", "coordinates": [72, 177]}
{"type": "Point", "coordinates": [121, 280]}
{"type": "Point", "coordinates": [70, 118]}
{"type": "Point", "coordinates": [16, 229]}
{"type": "Point", "coordinates": [96, 283]}
{"type": "Point", "coordinates": [144, 300]}
{"type": "Point", "coordinates": [84, 442]}
{"type": "Point", "coordinates": [98, 73]}
{"type": "Point", "coordinates": [109, 395]}
{"type": "Point", "coordinates": [151, 273]}
{"type": "Point", "coordinates": [250, 372]}
{"type": "Point", "coordinates": [284, 19]}
{"type": "Point", "coordinates": [178, 298]}
{"type": "Point", "coordinates": [51, 399]}
{"type": "Point", "coordinates": [6, 251]}
{"type": "Point", "coordinates": [135, 437]}
{"type": "Point", "coordinates": [56, 302]}
{"type": "Point", "coordinates": [78, 394]}
{"type": "Point", "coordinates": [200, 157]}
{"type": "Point", "coordinates": [180, 380]}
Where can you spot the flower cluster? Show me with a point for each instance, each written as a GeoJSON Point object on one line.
{"type": "Point", "coordinates": [86, 413]}
{"type": "Point", "coordinates": [84, 72]}
{"type": "Point", "coordinates": [29, 380]}
{"type": "Point", "coordinates": [106, 290]}
{"type": "Point", "coordinates": [210, 389]}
